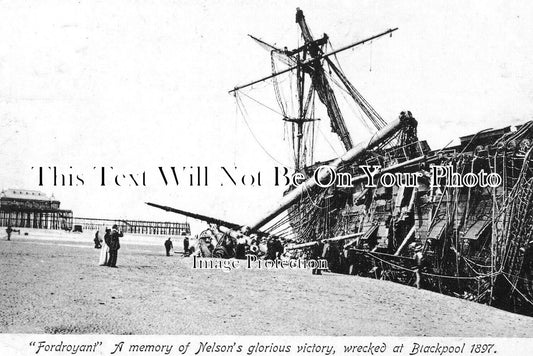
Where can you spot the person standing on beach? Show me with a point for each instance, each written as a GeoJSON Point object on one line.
{"type": "Point", "coordinates": [185, 246]}
{"type": "Point", "coordinates": [168, 246]}
{"type": "Point", "coordinates": [9, 230]}
{"type": "Point", "coordinates": [274, 248]}
{"type": "Point", "coordinates": [114, 245]}
{"type": "Point", "coordinates": [104, 252]}
{"type": "Point", "coordinates": [107, 236]}
{"type": "Point", "coordinates": [271, 249]}
{"type": "Point", "coordinates": [96, 240]}
{"type": "Point", "coordinates": [317, 250]}
{"type": "Point", "coordinates": [419, 265]}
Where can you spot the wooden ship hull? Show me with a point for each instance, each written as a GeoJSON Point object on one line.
{"type": "Point", "coordinates": [471, 242]}
{"type": "Point", "coordinates": [477, 242]}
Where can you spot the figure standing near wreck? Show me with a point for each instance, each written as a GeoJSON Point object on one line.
{"type": "Point", "coordinates": [316, 254]}
{"type": "Point", "coordinates": [274, 248]}
{"type": "Point", "coordinates": [419, 265]}
{"type": "Point", "coordinates": [168, 246]}
{"type": "Point", "coordinates": [114, 246]}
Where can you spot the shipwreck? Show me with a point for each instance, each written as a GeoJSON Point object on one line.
{"type": "Point", "coordinates": [477, 240]}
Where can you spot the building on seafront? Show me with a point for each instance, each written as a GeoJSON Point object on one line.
{"type": "Point", "coordinates": [33, 209]}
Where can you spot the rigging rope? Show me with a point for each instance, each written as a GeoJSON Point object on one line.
{"type": "Point", "coordinates": [260, 103]}
{"type": "Point", "coordinates": [242, 110]}
{"type": "Point", "coordinates": [276, 85]}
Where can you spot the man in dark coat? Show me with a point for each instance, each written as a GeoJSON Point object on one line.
{"type": "Point", "coordinates": [168, 246]}
{"type": "Point", "coordinates": [9, 230]}
{"type": "Point", "coordinates": [107, 236]}
{"type": "Point", "coordinates": [279, 247]}
{"type": "Point", "coordinates": [316, 254]}
{"type": "Point", "coordinates": [240, 249]}
{"type": "Point", "coordinates": [96, 240]}
{"type": "Point", "coordinates": [271, 249]}
{"type": "Point", "coordinates": [185, 246]}
{"type": "Point", "coordinates": [419, 265]}
{"type": "Point", "coordinates": [114, 245]}
{"type": "Point", "coordinates": [274, 248]}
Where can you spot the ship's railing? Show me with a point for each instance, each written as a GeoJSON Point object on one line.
{"type": "Point", "coordinates": [399, 154]}
{"type": "Point", "coordinates": [404, 153]}
{"type": "Point", "coordinates": [448, 152]}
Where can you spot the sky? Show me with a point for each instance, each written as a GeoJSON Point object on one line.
{"type": "Point", "coordinates": [136, 85]}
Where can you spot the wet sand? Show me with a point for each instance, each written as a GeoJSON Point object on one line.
{"type": "Point", "coordinates": [54, 285]}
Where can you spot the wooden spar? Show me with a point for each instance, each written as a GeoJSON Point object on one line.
{"type": "Point", "coordinates": [231, 232]}
{"type": "Point", "coordinates": [299, 246]}
{"type": "Point", "coordinates": [405, 241]}
{"type": "Point", "coordinates": [304, 63]}
{"type": "Point", "coordinates": [312, 243]}
{"type": "Point", "coordinates": [205, 218]}
{"type": "Point", "coordinates": [373, 252]}
{"type": "Point", "coordinates": [265, 44]}
{"type": "Point", "coordinates": [226, 227]}
{"type": "Point", "coordinates": [320, 85]}
{"type": "Point", "coordinates": [369, 232]}
{"type": "Point", "coordinates": [332, 239]}
{"type": "Point", "coordinates": [324, 175]}
{"type": "Point", "coordinates": [344, 237]}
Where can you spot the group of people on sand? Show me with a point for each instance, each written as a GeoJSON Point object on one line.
{"type": "Point", "coordinates": [110, 246]}
{"type": "Point", "coordinates": [169, 246]}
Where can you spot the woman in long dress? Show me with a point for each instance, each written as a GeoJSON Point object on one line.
{"type": "Point", "coordinates": [104, 252]}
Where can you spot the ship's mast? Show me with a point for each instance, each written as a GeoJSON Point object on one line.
{"type": "Point", "coordinates": [300, 123]}
{"type": "Point", "coordinates": [319, 80]}
{"type": "Point", "coordinates": [308, 60]}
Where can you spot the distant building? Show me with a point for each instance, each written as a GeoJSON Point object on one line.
{"type": "Point", "coordinates": [32, 209]}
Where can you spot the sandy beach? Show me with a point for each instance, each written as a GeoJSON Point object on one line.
{"type": "Point", "coordinates": [51, 283]}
